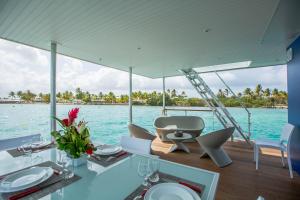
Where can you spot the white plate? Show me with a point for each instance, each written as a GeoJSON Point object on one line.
{"type": "Point", "coordinates": [108, 150]}
{"type": "Point", "coordinates": [25, 179]}
{"type": "Point", "coordinates": [171, 191]}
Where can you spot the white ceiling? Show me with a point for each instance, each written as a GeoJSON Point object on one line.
{"type": "Point", "coordinates": [157, 37]}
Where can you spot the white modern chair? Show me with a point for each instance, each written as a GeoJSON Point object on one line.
{"type": "Point", "coordinates": [282, 145]}
{"type": "Point", "coordinates": [11, 143]}
{"type": "Point", "coordinates": [211, 145]}
{"type": "Point", "coordinates": [139, 132]}
{"type": "Point", "coordinates": [136, 145]}
{"type": "Point", "coordinates": [193, 125]}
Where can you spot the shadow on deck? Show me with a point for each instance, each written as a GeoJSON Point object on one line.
{"type": "Point", "coordinates": [240, 180]}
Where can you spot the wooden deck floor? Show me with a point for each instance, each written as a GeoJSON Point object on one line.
{"type": "Point", "coordinates": [240, 180]}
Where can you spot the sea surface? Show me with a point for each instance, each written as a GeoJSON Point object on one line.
{"type": "Point", "coordinates": [108, 123]}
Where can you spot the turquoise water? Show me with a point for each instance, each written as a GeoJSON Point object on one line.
{"type": "Point", "coordinates": [107, 123]}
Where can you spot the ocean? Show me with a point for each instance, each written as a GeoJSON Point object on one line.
{"type": "Point", "coordinates": [108, 123]}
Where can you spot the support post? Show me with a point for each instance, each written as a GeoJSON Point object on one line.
{"type": "Point", "coordinates": [130, 95]}
{"type": "Point", "coordinates": [53, 87]}
{"type": "Point", "coordinates": [164, 97]}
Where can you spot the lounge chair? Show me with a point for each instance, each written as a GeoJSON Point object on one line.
{"type": "Point", "coordinates": [211, 145]}
{"type": "Point", "coordinates": [11, 143]}
{"type": "Point", "coordinates": [282, 145]}
{"type": "Point", "coordinates": [189, 124]}
{"type": "Point", "coordinates": [136, 145]}
{"type": "Point", "coordinates": [139, 132]}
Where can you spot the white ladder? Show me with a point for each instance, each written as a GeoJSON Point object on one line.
{"type": "Point", "coordinates": [213, 102]}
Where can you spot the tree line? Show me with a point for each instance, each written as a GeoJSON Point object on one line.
{"type": "Point", "coordinates": [257, 97]}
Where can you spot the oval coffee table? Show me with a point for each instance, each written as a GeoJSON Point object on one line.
{"type": "Point", "coordinates": [178, 145]}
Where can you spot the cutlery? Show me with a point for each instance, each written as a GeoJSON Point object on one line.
{"type": "Point", "coordinates": [96, 157]}
{"type": "Point", "coordinates": [57, 172]}
{"type": "Point", "coordinates": [116, 156]}
{"type": "Point", "coordinates": [141, 196]}
{"type": "Point", "coordinates": [191, 186]}
{"type": "Point", "coordinates": [33, 190]}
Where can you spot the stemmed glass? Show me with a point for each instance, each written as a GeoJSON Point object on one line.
{"type": "Point", "coordinates": [144, 171]}
{"type": "Point", "coordinates": [66, 163]}
{"type": "Point", "coordinates": [154, 165]}
{"type": "Point", "coordinates": [26, 148]}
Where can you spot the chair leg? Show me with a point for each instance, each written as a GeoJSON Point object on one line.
{"type": "Point", "coordinates": [256, 155]}
{"type": "Point", "coordinates": [282, 158]}
{"type": "Point", "coordinates": [290, 166]}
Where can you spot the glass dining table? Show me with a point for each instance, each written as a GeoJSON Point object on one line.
{"type": "Point", "coordinates": [115, 182]}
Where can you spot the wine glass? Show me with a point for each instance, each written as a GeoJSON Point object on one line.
{"type": "Point", "coordinates": [144, 171]}
{"type": "Point", "coordinates": [154, 165]}
{"type": "Point", "coordinates": [26, 148]}
{"type": "Point", "coordinates": [66, 163]}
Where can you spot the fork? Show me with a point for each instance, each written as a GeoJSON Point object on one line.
{"type": "Point", "coordinates": [116, 156]}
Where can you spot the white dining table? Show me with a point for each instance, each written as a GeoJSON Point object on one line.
{"type": "Point", "coordinates": [115, 182]}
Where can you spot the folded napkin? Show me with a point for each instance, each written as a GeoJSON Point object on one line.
{"type": "Point", "coordinates": [193, 187]}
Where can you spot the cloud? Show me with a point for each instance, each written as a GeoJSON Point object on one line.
{"type": "Point", "coordinates": [23, 67]}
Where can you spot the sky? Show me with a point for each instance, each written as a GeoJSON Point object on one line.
{"type": "Point", "coordinates": [26, 68]}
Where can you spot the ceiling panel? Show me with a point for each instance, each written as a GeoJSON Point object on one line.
{"type": "Point", "coordinates": [156, 38]}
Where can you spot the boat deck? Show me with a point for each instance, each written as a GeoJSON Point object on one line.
{"type": "Point", "coordinates": [240, 180]}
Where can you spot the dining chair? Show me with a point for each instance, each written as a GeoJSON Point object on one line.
{"type": "Point", "coordinates": [136, 145]}
{"type": "Point", "coordinates": [11, 143]}
{"type": "Point", "coordinates": [282, 145]}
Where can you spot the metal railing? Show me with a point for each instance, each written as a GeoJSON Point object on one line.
{"type": "Point", "coordinates": [242, 104]}
{"type": "Point", "coordinates": [185, 110]}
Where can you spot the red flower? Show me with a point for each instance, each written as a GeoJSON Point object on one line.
{"type": "Point", "coordinates": [73, 115]}
{"type": "Point", "coordinates": [89, 151]}
{"type": "Point", "coordinates": [65, 122]}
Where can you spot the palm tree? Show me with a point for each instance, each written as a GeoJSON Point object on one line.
{"type": "Point", "coordinates": [183, 94]}
{"type": "Point", "coordinates": [267, 92]}
{"type": "Point", "coordinates": [220, 93]}
{"type": "Point", "coordinates": [173, 93]}
{"type": "Point", "coordinates": [20, 93]}
{"type": "Point", "coordinates": [11, 94]}
{"type": "Point", "coordinates": [258, 90]}
{"type": "Point", "coordinates": [247, 92]}
{"type": "Point", "coordinates": [100, 95]}
{"type": "Point", "coordinates": [79, 93]}
{"type": "Point", "coordinates": [226, 92]}
{"type": "Point", "coordinates": [275, 92]}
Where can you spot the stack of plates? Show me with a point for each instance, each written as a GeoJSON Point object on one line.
{"type": "Point", "coordinates": [171, 191]}
{"type": "Point", "coordinates": [108, 150]}
{"type": "Point", "coordinates": [25, 179]}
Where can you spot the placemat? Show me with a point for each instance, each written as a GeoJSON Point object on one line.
{"type": "Point", "coordinates": [102, 160]}
{"type": "Point", "coordinates": [48, 190]}
{"type": "Point", "coordinates": [16, 152]}
{"type": "Point", "coordinates": [164, 178]}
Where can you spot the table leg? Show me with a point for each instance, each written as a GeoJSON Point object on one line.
{"type": "Point", "coordinates": [179, 146]}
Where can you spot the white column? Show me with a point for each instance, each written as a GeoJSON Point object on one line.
{"type": "Point", "coordinates": [164, 96]}
{"type": "Point", "coordinates": [53, 87]}
{"type": "Point", "coordinates": [130, 95]}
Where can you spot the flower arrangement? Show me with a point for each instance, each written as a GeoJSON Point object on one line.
{"type": "Point", "coordinates": [74, 138]}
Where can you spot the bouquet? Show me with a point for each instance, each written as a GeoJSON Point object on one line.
{"type": "Point", "coordinates": [74, 138]}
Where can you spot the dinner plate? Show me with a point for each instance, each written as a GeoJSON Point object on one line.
{"type": "Point", "coordinates": [108, 150]}
{"type": "Point", "coordinates": [171, 191]}
{"type": "Point", "coordinates": [25, 179]}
